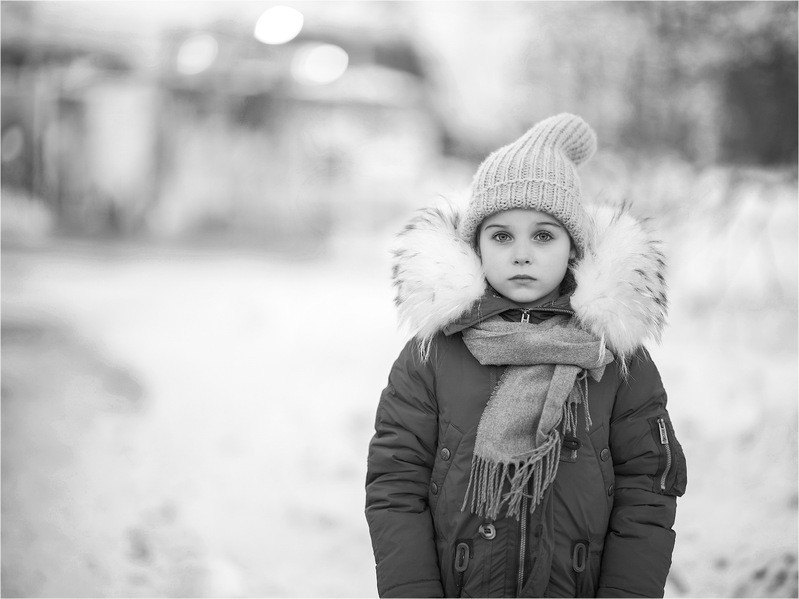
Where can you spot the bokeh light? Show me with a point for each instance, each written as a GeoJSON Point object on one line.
{"type": "Point", "coordinates": [278, 25]}
{"type": "Point", "coordinates": [319, 64]}
{"type": "Point", "coordinates": [197, 53]}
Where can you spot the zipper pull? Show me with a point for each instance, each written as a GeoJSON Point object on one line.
{"type": "Point", "coordinates": [525, 315]}
{"type": "Point", "coordinates": [664, 437]}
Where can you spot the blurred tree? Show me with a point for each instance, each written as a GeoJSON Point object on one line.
{"type": "Point", "coordinates": [760, 86]}
{"type": "Point", "coordinates": [731, 65]}
{"type": "Point", "coordinates": [747, 50]}
{"type": "Point", "coordinates": [712, 81]}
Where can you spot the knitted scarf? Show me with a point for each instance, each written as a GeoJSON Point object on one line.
{"type": "Point", "coordinates": [518, 436]}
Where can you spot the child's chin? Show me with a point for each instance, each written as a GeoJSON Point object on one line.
{"type": "Point", "coordinates": [524, 298]}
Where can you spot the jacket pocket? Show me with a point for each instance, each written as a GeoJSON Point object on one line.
{"type": "Point", "coordinates": [671, 476]}
{"type": "Point", "coordinates": [446, 451]}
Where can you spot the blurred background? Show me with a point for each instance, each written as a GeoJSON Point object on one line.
{"type": "Point", "coordinates": [198, 201]}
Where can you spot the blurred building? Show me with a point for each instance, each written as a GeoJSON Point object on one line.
{"type": "Point", "coordinates": [216, 131]}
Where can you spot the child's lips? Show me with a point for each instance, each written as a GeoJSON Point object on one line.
{"type": "Point", "coordinates": [522, 278]}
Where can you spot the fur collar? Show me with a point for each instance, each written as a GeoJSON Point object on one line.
{"type": "Point", "coordinates": [620, 295]}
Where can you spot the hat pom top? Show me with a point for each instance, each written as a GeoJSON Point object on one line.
{"type": "Point", "coordinates": [566, 133]}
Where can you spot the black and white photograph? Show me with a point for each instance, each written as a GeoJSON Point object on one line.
{"type": "Point", "coordinates": [399, 298]}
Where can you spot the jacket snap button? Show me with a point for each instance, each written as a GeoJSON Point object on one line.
{"type": "Point", "coordinates": [445, 454]}
{"type": "Point", "coordinates": [487, 531]}
{"type": "Point", "coordinates": [434, 488]}
{"type": "Point", "coordinates": [610, 490]}
{"type": "Point", "coordinates": [604, 454]}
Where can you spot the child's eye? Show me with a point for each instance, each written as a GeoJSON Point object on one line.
{"type": "Point", "coordinates": [502, 237]}
{"type": "Point", "coordinates": [543, 236]}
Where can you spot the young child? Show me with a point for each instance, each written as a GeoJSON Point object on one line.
{"type": "Point", "coordinates": [522, 447]}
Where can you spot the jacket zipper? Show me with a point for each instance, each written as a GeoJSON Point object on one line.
{"type": "Point", "coordinates": [523, 540]}
{"type": "Point", "coordinates": [664, 440]}
{"type": "Point", "coordinates": [523, 537]}
{"type": "Point", "coordinates": [558, 310]}
{"type": "Point", "coordinates": [522, 547]}
{"type": "Point", "coordinates": [523, 525]}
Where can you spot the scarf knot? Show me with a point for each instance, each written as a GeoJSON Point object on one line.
{"type": "Point", "coordinates": [521, 430]}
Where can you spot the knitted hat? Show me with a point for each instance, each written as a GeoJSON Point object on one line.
{"type": "Point", "coordinates": [536, 171]}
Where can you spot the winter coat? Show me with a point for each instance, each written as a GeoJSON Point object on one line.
{"type": "Point", "coordinates": [604, 527]}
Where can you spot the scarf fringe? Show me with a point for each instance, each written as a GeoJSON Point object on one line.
{"type": "Point", "coordinates": [487, 481]}
{"type": "Point", "coordinates": [578, 395]}
{"type": "Point", "coordinates": [534, 474]}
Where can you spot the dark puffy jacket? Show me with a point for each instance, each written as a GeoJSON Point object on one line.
{"type": "Point", "coordinates": [604, 528]}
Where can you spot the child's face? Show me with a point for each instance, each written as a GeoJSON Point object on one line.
{"type": "Point", "coordinates": [525, 254]}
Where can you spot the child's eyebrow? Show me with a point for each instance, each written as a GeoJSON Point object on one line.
{"type": "Point", "coordinates": [541, 222]}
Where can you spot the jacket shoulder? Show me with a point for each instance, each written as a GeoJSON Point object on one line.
{"type": "Point", "coordinates": [639, 384]}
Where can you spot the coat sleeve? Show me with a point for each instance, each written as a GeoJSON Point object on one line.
{"type": "Point", "coordinates": [650, 472]}
{"type": "Point", "coordinates": [401, 456]}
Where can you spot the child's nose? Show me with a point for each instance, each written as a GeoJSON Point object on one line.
{"type": "Point", "coordinates": [523, 253]}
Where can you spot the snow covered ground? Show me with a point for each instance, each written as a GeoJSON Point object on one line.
{"type": "Point", "coordinates": [184, 422]}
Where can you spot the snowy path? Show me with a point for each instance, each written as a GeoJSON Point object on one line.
{"type": "Point", "coordinates": [242, 471]}
{"type": "Point", "coordinates": [196, 424]}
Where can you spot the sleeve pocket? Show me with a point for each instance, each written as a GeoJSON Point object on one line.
{"type": "Point", "coordinates": [671, 475]}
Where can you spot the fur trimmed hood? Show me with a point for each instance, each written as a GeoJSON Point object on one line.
{"type": "Point", "coordinates": [620, 295]}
